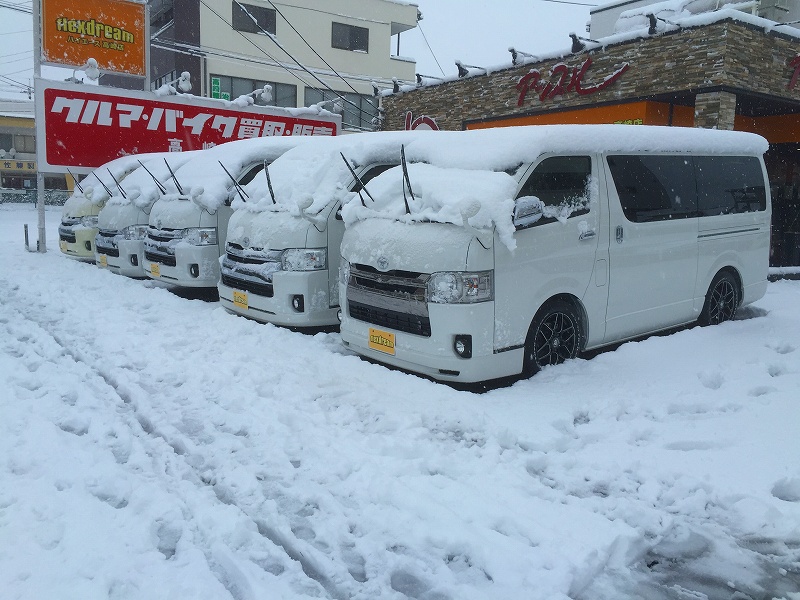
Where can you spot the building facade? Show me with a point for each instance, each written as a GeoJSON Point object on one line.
{"type": "Point", "coordinates": [731, 71]}
{"type": "Point", "coordinates": [308, 51]}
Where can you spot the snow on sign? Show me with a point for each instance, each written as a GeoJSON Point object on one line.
{"type": "Point", "coordinates": [85, 126]}
{"type": "Point", "coordinates": [113, 32]}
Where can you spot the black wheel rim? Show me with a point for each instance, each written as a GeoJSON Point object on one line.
{"type": "Point", "coordinates": [722, 304]}
{"type": "Point", "coordinates": [556, 340]}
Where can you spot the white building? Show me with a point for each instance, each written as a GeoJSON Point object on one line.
{"type": "Point", "coordinates": [307, 50]}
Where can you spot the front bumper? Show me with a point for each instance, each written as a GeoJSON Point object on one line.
{"type": "Point", "coordinates": [127, 258]}
{"type": "Point", "coordinates": [434, 356]}
{"type": "Point", "coordinates": [239, 297]}
{"type": "Point", "coordinates": [189, 266]}
{"type": "Point", "coordinates": [77, 241]}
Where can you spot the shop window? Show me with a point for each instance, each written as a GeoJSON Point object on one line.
{"type": "Point", "coordinates": [243, 17]}
{"type": "Point", "coordinates": [654, 188]}
{"type": "Point", "coordinates": [729, 184]}
{"type": "Point", "coordinates": [6, 141]}
{"type": "Point", "coordinates": [556, 190]}
{"type": "Point", "coordinates": [350, 37]}
{"type": "Point", "coordinates": [25, 144]}
{"type": "Point", "coordinates": [55, 183]}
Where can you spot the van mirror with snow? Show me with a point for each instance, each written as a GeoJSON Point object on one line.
{"type": "Point", "coordinates": [527, 211]}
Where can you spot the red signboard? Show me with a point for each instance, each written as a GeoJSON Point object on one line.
{"type": "Point", "coordinates": [84, 127]}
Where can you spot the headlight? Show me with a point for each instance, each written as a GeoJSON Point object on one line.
{"type": "Point", "coordinates": [135, 232]}
{"type": "Point", "coordinates": [344, 272]}
{"type": "Point", "coordinates": [89, 221]}
{"type": "Point", "coordinates": [304, 259]}
{"type": "Point", "coordinates": [459, 288]}
{"type": "Point", "coordinates": [200, 236]}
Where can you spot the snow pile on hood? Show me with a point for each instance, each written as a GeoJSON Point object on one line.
{"type": "Point", "coordinates": [669, 10]}
{"type": "Point", "coordinates": [477, 198]}
{"type": "Point", "coordinates": [140, 189]}
{"type": "Point", "coordinates": [95, 184]}
{"type": "Point", "coordinates": [205, 181]}
{"type": "Point", "coordinates": [316, 172]}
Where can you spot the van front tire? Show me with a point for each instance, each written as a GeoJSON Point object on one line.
{"type": "Point", "coordinates": [555, 335]}
{"type": "Point", "coordinates": [722, 300]}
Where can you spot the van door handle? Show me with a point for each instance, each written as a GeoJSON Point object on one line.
{"type": "Point", "coordinates": [587, 235]}
{"type": "Point", "coordinates": [619, 234]}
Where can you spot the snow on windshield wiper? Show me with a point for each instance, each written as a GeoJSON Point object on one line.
{"type": "Point", "coordinates": [160, 186]}
{"type": "Point", "coordinates": [406, 180]}
{"type": "Point", "coordinates": [175, 179]}
{"type": "Point", "coordinates": [75, 179]}
{"type": "Point", "coordinates": [105, 187]}
{"type": "Point", "coordinates": [269, 183]}
{"type": "Point", "coordinates": [119, 187]}
{"type": "Point", "coordinates": [242, 194]}
{"type": "Point", "coordinates": [361, 183]}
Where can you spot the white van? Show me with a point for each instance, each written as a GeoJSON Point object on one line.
{"type": "Point", "coordinates": [282, 256]}
{"type": "Point", "coordinates": [522, 247]}
{"type": "Point", "coordinates": [122, 222]}
{"type": "Point", "coordinates": [78, 227]}
{"type": "Point", "coordinates": [187, 226]}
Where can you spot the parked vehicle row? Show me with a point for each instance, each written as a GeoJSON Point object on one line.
{"type": "Point", "coordinates": [463, 256]}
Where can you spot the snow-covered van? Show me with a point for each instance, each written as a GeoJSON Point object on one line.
{"type": "Point", "coordinates": [188, 224]}
{"type": "Point", "coordinates": [522, 247]}
{"type": "Point", "coordinates": [79, 216]}
{"type": "Point", "coordinates": [122, 222]}
{"type": "Point", "coordinates": [281, 264]}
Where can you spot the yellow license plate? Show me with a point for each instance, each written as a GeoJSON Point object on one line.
{"type": "Point", "coordinates": [103, 262]}
{"type": "Point", "coordinates": [155, 270]}
{"type": "Point", "coordinates": [63, 245]}
{"type": "Point", "coordinates": [382, 341]}
{"type": "Point", "coordinates": [240, 299]}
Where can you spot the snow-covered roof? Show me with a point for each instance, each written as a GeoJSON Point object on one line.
{"type": "Point", "coordinates": [634, 24]}
{"type": "Point", "coordinates": [468, 171]}
{"type": "Point", "coordinates": [140, 188]}
{"type": "Point", "coordinates": [317, 172]}
{"type": "Point", "coordinates": [205, 180]}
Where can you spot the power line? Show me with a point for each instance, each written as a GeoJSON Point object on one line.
{"type": "Point", "coordinates": [16, 7]}
{"type": "Point", "coordinates": [429, 48]}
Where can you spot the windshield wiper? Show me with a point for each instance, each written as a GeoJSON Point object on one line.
{"type": "Point", "coordinates": [119, 187]}
{"type": "Point", "coordinates": [406, 180]}
{"type": "Point", "coordinates": [269, 183]}
{"type": "Point", "coordinates": [175, 179]}
{"type": "Point", "coordinates": [358, 179]}
{"type": "Point", "coordinates": [75, 179]}
{"type": "Point", "coordinates": [242, 194]}
{"type": "Point", "coordinates": [105, 187]}
{"type": "Point", "coordinates": [160, 186]}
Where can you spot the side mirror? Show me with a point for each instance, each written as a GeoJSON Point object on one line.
{"type": "Point", "coordinates": [527, 211]}
{"type": "Point", "coordinates": [305, 203]}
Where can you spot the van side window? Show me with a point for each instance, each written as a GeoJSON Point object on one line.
{"type": "Point", "coordinates": [560, 184]}
{"type": "Point", "coordinates": [729, 184]}
{"type": "Point", "coordinates": [654, 187]}
{"type": "Point", "coordinates": [250, 175]}
{"type": "Point", "coordinates": [365, 179]}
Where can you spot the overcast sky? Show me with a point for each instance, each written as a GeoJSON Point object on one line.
{"type": "Point", "coordinates": [476, 32]}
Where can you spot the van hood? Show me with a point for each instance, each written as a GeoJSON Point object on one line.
{"type": "Point", "coordinates": [175, 213]}
{"type": "Point", "coordinates": [78, 206]}
{"type": "Point", "coordinates": [421, 247]}
{"type": "Point", "coordinates": [119, 216]}
{"type": "Point", "coordinates": [273, 231]}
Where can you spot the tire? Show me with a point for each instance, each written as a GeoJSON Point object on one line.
{"type": "Point", "coordinates": [555, 335]}
{"type": "Point", "coordinates": [722, 300]}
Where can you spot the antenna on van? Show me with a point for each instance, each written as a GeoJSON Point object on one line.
{"type": "Point", "coordinates": [269, 183]}
{"type": "Point", "coordinates": [105, 187]}
{"type": "Point", "coordinates": [119, 187]}
{"type": "Point", "coordinates": [358, 179]}
{"type": "Point", "coordinates": [75, 179]}
{"type": "Point", "coordinates": [242, 194]}
{"type": "Point", "coordinates": [175, 179]}
{"type": "Point", "coordinates": [406, 180]}
{"type": "Point", "coordinates": [160, 186]}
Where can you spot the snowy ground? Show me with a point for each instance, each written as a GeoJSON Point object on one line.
{"type": "Point", "coordinates": [154, 447]}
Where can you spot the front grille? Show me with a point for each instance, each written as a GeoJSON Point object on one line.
{"type": "Point", "coordinates": [108, 251]}
{"type": "Point", "coordinates": [164, 259]}
{"type": "Point", "coordinates": [407, 323]}
{"type": "Point", "coordinates": [401, 284]}
{"type": "Point", "coordinates": [260, 289]}
{"type": "Point", "coordinates": [163, 235]}
{"type": "Point", "coordinates": [66, 237]}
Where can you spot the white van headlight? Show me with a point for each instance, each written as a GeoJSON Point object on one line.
{"type": "Point", "coordinates": [457, 287]}
{"type": "Point", "coordinates": [200, 236]}
{"type": "Point", "coordinates": [89, 221]}
{"type": "Point", "coordinates": [135, 232]}
{"type": "Point", "coordinates": [344, 272]}
{"type": "Point", "coordinates": [304, 259]}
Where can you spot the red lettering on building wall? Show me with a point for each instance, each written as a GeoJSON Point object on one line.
{"type": "Point", "coordinates": [795, 64]}
{"type": "Point", "coordinates": [563, 81]}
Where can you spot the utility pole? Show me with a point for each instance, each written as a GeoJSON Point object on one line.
{"type": "Point", "coordinates": [41, 244]}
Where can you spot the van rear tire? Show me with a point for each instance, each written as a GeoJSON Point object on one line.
{"type": "Point", "coordinates": [722, 300]}
{"type": "Point", "coordinates": [555, 335]}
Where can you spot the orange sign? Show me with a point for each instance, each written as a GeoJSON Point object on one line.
{"type": "Point", "coordinates": [110, 31]}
